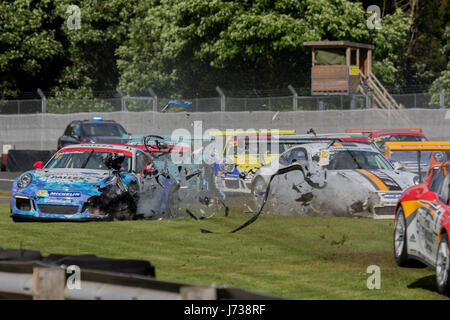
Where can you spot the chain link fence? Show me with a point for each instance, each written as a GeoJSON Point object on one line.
{"type": "Point", "coordinates": [229, 104]}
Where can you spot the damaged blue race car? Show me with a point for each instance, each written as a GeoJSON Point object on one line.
{"type": "Point", "coordinates": [82, 183]}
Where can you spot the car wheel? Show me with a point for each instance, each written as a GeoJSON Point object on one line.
{"type": "Point", "coordinates": [401, 245]}
{"type": "Point", "coordinates": [259, 188]}
{"type": "Point", "coordinates": [123, 210]}
{"type": "Point", "coordinates": [442, 265]}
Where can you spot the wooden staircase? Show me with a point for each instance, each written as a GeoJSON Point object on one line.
{"type": "Point", "coordinates": [381, 97]}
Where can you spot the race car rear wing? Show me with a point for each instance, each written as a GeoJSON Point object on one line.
{"type": "Point", "coordinates": [383, 129]}
{"type": "Point", "coordinates": [416, 146]}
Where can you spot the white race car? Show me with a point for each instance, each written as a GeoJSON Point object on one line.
{"type": "Point", "coordinates": [331, 179]}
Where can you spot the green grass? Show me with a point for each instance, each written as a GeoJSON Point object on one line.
{"type": "Point", "coordinates": [291, 257]}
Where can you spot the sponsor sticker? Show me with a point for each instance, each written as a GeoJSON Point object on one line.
{"type": "Point", "coordinates": [42, 193]}
{"type": "Point", "coordinates": [64, 194]}
{"type": "Point", "coordinates": [390, 195]}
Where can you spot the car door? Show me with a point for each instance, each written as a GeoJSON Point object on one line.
{"type": "Point", "coordinates": [433, 204]}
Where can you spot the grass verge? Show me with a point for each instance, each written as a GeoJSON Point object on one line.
{"type": "Point", "coordinates": [291, 257]}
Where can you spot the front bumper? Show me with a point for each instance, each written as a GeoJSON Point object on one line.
{"type": "Point", "coordinates": [383, 204]}
{"type": "Point", "coordinates": [239, 185]}
{"type": "Point", "coordinates": [37, 208]}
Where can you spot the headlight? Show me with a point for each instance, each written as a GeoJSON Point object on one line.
{"type": "Point", "coordinates": [227, 167]}
{"type": "Point", "coordinates": [24, 180]}
{"type": "Point", "coordinates": [416, 180]}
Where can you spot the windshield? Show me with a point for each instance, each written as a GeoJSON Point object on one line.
{"type": "Point", "coordinates": [102, 130]}
{"type": "Point", "coordinates": [381, 141]}
{"type": "Point", "coordinates": [88, 159]}
{"type": "Point", "coordinates": [357, 159]}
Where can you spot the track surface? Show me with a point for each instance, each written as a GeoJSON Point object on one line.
{"type": "Point", "coordinates": [6, 179]}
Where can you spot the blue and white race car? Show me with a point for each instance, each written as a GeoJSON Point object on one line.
{"type": "Point", "coordinates": [82, 182]}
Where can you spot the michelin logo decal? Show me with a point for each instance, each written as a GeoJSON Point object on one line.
{"type": "Point", "coordinates": [64, 194]}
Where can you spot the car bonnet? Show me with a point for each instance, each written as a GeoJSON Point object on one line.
{"type": "Point", "coordinates": [69, 177]}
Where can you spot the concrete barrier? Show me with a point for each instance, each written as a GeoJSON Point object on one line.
{"type": "Point", "coordinates": [41, 131]}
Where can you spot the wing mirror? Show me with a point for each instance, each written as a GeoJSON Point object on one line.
{"type": "Point", "coordinates": [38, 165]}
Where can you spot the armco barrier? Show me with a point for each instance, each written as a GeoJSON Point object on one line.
{"type": "Point", "coordinates": [40, 280]}
{"type": "Point", "coordinates": [41, 131]}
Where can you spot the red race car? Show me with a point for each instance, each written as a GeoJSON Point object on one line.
{"type": "Point", "coordinates": [422, 223]}
{"type": "Point", "coordinates": [381, 136]}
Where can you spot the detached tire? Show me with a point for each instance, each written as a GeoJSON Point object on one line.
{"type": "Point", "coordinates": [442, 265]}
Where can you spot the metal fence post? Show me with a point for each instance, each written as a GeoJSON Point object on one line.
{"type": "Point", "coordinates": [222, 98]}
{"type": "Point", "coordinates": [441, 95]}
{"type": "Point", "coordinates": [154, 98]}
{"type": "Point", "coordinates": [43, 100]}
{"type": "Point", "coordinates": [294, 99]}
{"type": "Point", "coordinates": [123, 107]}
{"type": "Point", "coordinates": [368, 96]}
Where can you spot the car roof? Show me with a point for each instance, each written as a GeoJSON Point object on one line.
{"type": "Point", "coordinates": [118, 147]}
{"type": "Point", "coordinates": [344, 145]}
{"type": "Point", "coordinates": [93, 121]}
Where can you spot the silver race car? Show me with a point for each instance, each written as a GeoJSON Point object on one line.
{"type": "Point", "coordinates": [331, 179]}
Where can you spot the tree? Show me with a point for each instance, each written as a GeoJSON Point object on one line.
{"type": "Point", "coordinates": [28, 46]}
{"type": "Point", "coordinates": [90, 50]}
{"type": "Point", "coordinates": [187, 47]}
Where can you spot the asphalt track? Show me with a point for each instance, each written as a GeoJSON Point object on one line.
{"type": "Point", "coordinates": [6, 179]}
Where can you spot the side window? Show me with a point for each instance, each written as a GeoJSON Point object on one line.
{"type": "Point", "coordinates": [68, 131]}
{"type": "Point", "coordinates": [437, 183]}
{"type": "Point", "coordinates": [444, 190]}
{"type": "Point", "coordinates": [298, 155]}
{"type": "Point", "coordinates": [76, 130]}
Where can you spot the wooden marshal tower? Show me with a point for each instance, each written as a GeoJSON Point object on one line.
{"type": "Point", "coordinates": [344, 68]}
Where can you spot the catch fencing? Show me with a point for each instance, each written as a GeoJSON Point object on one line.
{"type": "Point", "coordinates": [221, 103]}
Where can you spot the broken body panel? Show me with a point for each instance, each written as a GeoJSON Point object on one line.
{"type": "Point", "coordinates": [338, 179]}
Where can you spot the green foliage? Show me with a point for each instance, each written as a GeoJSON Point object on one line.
{"type": "Point", "coordinates": [185, 48]}
{"type": "Point", "coordinates": [189, 47]}
{"type": "Point", "coordinates": [390, 42]}
{"type": "Point", "coordinates": [90, 49]}
{"type": "Point", "coordinates": [444, 78]}
{"type": "Point", "coordinates": [27, 46]}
